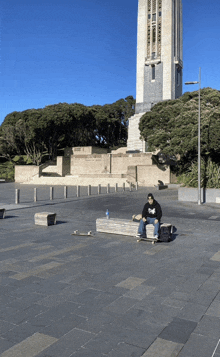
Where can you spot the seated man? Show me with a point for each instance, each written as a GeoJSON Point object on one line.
{"type": "Point", "coordinates": [151, 214]}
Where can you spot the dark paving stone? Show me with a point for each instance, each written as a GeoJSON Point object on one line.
{"type": "Point", "coordinates": [139, 338]}
{"type": "Point", "coordinates": [192, 311]}
{"type": "Point", "coordinates": [103, 343]}
{"type": "Point", "coordinates": [178, 330]}
{"type": "Point", "coordinates": [68, 344]}
{"type": "Point", "coordinates": [199, 345]}
{"type": "Point", "coordinates": [96, 322]}
{"type": "Point", "coordinates": [124, 349]}
{"type": "Point", "coordinates": [136, 319]}
{"type": "Point", "coordinates": [208, 326]}
{"type": "Point", "coordinates": [62, 326]}
{"type": "Point", "coordinates": [5, 326]}
{"type": "Point", "coordinates": [84, 352]}
{"type": "Point", "coordinates": [20, 316]}
{"type": "Point", "coordinates": [5, 344]}
{"type": "Point", "coordinates": [121, 305]}
{"type": "Point", "coordinates": [217, 351]}
{"type": "Point", "coordinates": [203, 297]}
{"type": "Point", "coordinates": [210, 263]}
{"type": "Point", "coordinates": [206, 270]}
{"type": "Point", "coordinates": [20, 333]}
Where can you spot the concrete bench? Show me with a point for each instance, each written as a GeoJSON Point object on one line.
{"type": "Point", "coordinates": [121, 226]}
{"type": "Point", "coordinates": [45, 218]}
{"type": "Point", "coordinates": [2, 213]}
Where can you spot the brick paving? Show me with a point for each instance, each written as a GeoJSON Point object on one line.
{"type": "Point", "coordinates": [64, 295]}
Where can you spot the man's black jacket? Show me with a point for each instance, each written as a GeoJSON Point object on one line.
{"type": "Point", "coordinates": [152, 211]}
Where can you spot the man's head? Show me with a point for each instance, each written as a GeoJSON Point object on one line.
{"type": "Point", "coordinates": [150, 198]}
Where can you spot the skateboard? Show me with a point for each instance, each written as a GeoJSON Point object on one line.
{"type": "Point", "coordinates": [77, 233]}
{"type": "Point", "coordinates": [152, 240]}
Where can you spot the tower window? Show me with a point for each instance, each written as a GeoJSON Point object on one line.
{"type": "Point", "coordinates": [153, 72]}
{"type": "Point", "coordinates": [160, 13]}
{"type": "Point", "coordinates": [178, 76]}
{"type": "Point", "coordinates": [149, 16]}
{"type": "Point", "coordinates": [154, 35]}
{"type": "Point", "coordinates": [154, 17]}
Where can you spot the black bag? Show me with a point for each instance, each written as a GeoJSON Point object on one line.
{"type": "Point", "coordinates": [166, 231]}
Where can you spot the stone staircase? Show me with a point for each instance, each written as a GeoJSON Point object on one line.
{"type": "Point", "coordinates": [82, 180]}
{"type": "Point", "coordinates": [134, 143]}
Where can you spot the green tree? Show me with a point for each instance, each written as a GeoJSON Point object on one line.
{"type": "Point", "coordinates": [112, 122]}
{"type": "Point", "coordinates": [172, 127]}
{"type": "Point", "coordinates": [37, 131]}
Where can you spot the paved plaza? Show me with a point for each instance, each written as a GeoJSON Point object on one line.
{"type": "Point", "coordinates": [64, 295]}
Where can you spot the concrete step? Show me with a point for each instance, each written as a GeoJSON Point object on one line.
{"type": "Point", "coordinates": [82, 181]}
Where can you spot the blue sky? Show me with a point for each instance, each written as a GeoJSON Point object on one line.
{"type": "Point", "coordinates": [84, 51]}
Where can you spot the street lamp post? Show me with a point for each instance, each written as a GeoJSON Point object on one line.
{"type": "Point", "coordinates": [199, 139]}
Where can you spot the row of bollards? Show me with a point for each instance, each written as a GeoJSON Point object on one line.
{"type": "Point", "coordinates": [17, 191]}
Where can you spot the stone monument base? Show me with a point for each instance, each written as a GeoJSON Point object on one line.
{"type": "Point", "coordinates": [120, 166]}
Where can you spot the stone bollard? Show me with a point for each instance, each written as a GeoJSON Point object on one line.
{"type": "Point", "coordinates": [116, 187]}
{"type": "Point", "coordinates": [108, 188]}
{"type": "Point", "coordinates": [99, 189]}
{"type": "Point", "coordinates": [136, 186]}
{"type": "Point", "coordinates": [65, 191]}
{"type": "Point", "coordinates": [51, 193]}
{"type": "Point", "coordinates": [89, 190]}
{"type": "Point", "coordinates": [17, 196]}
{"type": "Point", "coordinates": [78, 191]}
{"type": "Point", "coordinates": [130, 186]}
{"type": "Point", "coordinates": [35, 194]}
{"type": "Point", "coordinates": [123, 187]}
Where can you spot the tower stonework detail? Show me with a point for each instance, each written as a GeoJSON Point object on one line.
{"type": "Point", "coordinates": [159, 60]}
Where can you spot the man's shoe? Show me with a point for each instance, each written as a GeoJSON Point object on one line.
{"type": "Point", "coordinates": [138, 235]}
{"type": "Point", "coordinates": [156, 236]}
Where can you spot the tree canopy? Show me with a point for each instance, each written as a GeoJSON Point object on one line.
{"type": "Point", "coordinates": [172, 126]}
{"type": "Point", "coordinates": [36, 131]}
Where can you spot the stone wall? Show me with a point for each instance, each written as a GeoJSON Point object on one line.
{"type": "Point", "coordinates": [25, 173]}
{"type": "Point", "coordinates": [150, 175]}
{"type": "Point", "coordinates": [61, 168]}
{"type": "Point", "coordinates": [135, 166]}
{"type": "Point", "coordinates": [130, 167]}
{"type": "Point", "coordinates": [90, 164]}
{"type": "Point", "coordinates": [88, 150]}
{"type": "Point", "coordinates": [120, 163]}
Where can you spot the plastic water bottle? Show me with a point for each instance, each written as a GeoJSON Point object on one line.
{"type": "Point", "coordinates": [107, 214]}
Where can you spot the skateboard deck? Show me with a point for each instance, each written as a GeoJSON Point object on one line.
{"type": "Point", "coordinates": [77, 233]}
{"type": "Point", "coordinates": [152, 240]}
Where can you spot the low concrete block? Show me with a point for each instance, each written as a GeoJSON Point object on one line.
{"type": "Point", "coordinates": [121, 226]}
{"type": "Point", "coordinates": [45, 218]}
{"type": "Point", "coordinates": [208, 195]}
{"type": "Point", "coordinates": [161, 187]}
{"type": "Point", "coordinates": [2, 213]}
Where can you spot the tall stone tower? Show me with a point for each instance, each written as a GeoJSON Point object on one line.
{"type": "Point", "coordinates": [159, 60]}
